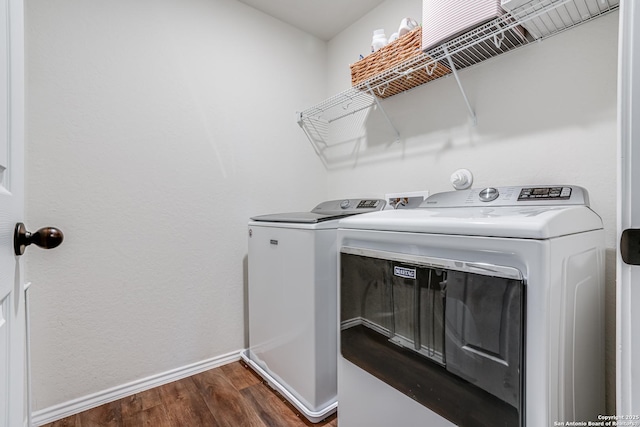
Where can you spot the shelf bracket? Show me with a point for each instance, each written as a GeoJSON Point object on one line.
{"type": "Point", "coordinates": [431, 67]}
{"type": "Point", "coordinates": [498, 38]}
{"type": "Point", "coordinates": [319, 151]}
{"type": "Point", "coordinates": [472, 113]}
{"type": "Point", "coordinates": [384, 113]}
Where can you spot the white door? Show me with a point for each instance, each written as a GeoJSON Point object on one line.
{"type": "Point", "coordinates": [12, 316]}
{"type": "Point", "coordinates": [628, 275]}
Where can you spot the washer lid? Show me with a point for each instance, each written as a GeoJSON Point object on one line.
{"type": "Point", "coordinates": [535, 222]}
{"type": "Point", "coordinates": [325, 211]}
{"type": "Point", "coordinates": [300, 217]}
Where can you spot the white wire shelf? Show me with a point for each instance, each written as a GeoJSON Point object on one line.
{"type": "Point", "coordinates": [343, 118]}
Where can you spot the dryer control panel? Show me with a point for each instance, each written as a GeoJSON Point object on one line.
{"type": "Point", "coordinates": [534, 195]}
{"type": "Point", "coordinates": [546, 193]}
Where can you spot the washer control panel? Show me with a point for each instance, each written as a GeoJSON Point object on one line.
{"type": "Point", "coordinates": [534, 195]}
{"type": "Point", "coordinates": [350, 206]}
{"type": "Point", "coordinates": [370, 204]}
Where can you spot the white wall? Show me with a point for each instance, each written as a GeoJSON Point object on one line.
{"type": "Point", "coordinates": [546, 115]}
{"type": "Point", "coordinates": [155, 129]}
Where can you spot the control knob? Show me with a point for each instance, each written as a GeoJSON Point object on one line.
{"type": "Point", "coordinates": [489, 194]}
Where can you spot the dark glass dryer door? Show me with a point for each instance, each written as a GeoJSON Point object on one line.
{"type": "Point", "coordinates": [447, 333]}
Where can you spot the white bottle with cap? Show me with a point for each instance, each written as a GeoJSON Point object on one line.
{"type": "Point", "coordinates": [406, 25]}
{"type": "Point", "coordinates": [379, 40]}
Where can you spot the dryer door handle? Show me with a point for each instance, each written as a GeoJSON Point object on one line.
{"type": "Point", "coordinates": [630, 246]}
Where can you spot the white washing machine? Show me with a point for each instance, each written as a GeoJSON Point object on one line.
{"type": "Point", "coordinates": [480, 308]}
{"type": "Point", "coordinates": [292, 302]}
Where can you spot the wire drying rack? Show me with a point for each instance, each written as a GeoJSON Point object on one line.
{"type": "Point", "coordinates": [342, 118]}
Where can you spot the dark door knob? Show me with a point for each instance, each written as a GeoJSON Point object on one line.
{"type": "Point", "coordinates": [46, 238]}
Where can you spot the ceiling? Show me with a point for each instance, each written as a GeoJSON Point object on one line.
{"type": "Point", "coordinates": [322, 18]}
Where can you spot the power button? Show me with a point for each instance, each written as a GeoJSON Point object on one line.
{"type": "Point", "coordinates": [489, 194]}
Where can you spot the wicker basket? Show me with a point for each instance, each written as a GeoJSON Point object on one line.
{"type": "Point", "coordinates": [390, 56]}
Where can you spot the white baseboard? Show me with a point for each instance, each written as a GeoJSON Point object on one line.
{"type": "Point", "coordinates": [75, 406]}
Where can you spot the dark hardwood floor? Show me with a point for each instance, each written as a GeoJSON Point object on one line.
{"type": "Point", "coordinates": [229, 396]}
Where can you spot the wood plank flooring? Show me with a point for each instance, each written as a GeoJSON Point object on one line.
{"type": "Point", "coordinates": [229, 396]}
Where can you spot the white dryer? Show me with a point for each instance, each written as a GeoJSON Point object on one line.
{"type": "Point", "coordinates": [480, 308]}
{"type": "Point", "coordinates": [292, 302]}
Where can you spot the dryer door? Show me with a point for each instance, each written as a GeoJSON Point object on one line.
{"type": "Point", "coordinates": [484, 328]}
{"type": "Point", "coordinates": [447, 333]}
